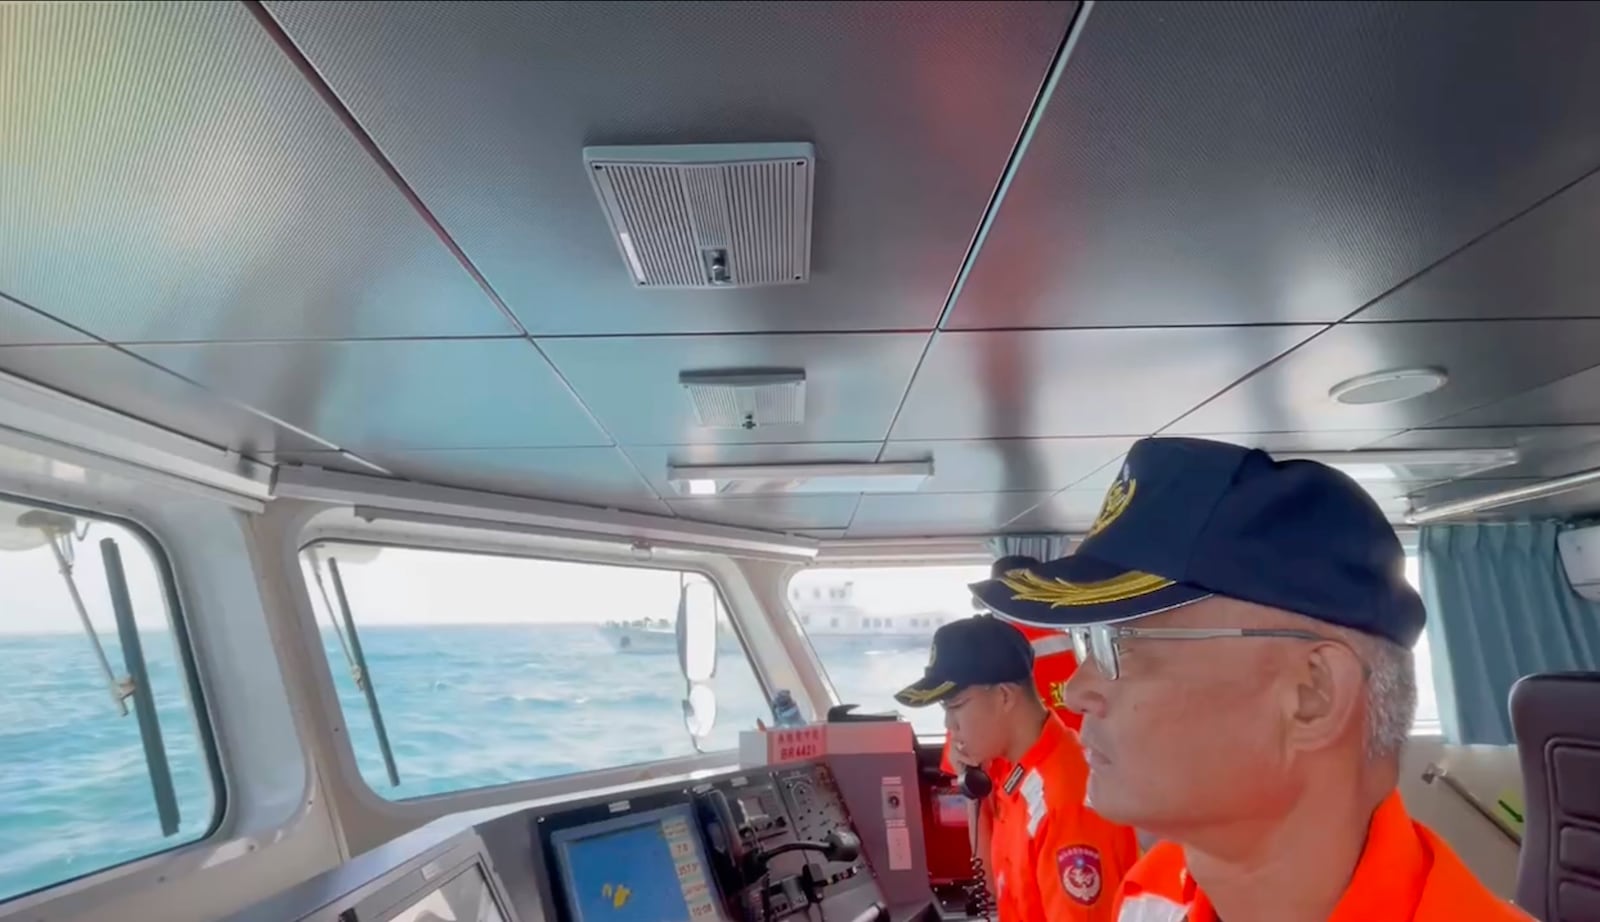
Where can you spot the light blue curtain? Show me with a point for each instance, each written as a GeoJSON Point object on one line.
{"type": "Point", "coordinates": [1499, 608]}
{"type": "Point", "coordinates": [1043, 547]}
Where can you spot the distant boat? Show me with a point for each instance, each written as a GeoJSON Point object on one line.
{"type": "Point", "coordinates": [826, 612]}
{"type": "Point", "coordinates": [657, 636]}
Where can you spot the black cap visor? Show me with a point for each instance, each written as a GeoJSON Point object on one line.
{"type": "Point", "coordinates": [1079, 590]}
{"type": "Point", "coordinates": [930, 689]}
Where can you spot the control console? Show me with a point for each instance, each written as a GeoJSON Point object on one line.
{"type": "Point", "coordinates": [764, 845]}
{"type": "Point", "coordinates": [800, 848]}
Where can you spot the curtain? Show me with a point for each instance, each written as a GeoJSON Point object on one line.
{"type": "Point", "coordinates": [1042, 547]}
{"type": "Point", "coordinates": [1499, 608]}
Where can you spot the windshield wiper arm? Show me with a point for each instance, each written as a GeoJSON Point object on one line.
{"type": "Point", "coordinates": [365, 675]}
{"type": "Point", "coordinates": [144, 703]}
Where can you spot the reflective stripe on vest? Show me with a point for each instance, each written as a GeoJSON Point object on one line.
{"type": "Point", "coordinates": [1051, 644]}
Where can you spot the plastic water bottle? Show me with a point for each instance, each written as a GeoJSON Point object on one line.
{"type": "Point", "coordinates": [785, 712]}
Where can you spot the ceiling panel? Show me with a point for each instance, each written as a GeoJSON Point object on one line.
{"type": "Point", "coordinates": [1540, 265]}
{"type": "Point", "coordinates": [1486, 360]}
{"type": "Point", "coordinates": [371, 396]}
{"type": "Point", "coordinates": [1007, 465]}
{"type": "Point", "coordinates": [1573, 400]}
{"type": "Point", "coordinates": [775, 513]}
{"type": "Point", "coordinates": [20, 326]}
{"type": "Point", "coordinates": [853, 382]}
{"type": "Point", "coordinates": [173, 176]}
{"type": "Point", "coordinates": [1004, 384]}
{"type": "Point", "coordinates": [588, 476]}
{"type": "Point", "coordinates": [652, 460]}
{"type": "Point", "coordinates": [484, 108]}
{"type": "Point", "coordinates": [915, 515]}
{"type": "Point", "coordinates": [1252, 162]}
{"type": "Point", "coordinates": [106, 376]}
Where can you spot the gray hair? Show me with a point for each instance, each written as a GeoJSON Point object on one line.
{"type": "Point", "coordinates": [1391, 693]}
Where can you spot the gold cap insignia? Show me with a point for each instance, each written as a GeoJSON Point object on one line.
{"type": "Point", "coordinates": [1116, 502]}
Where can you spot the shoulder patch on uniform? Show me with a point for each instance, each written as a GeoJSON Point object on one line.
{"type": "Point", "coordinates": [1033, 794]}
{"type": "Point", "coordinates": [1079, 868]}
{"type": "Point", "coordinates": [1012, 780]}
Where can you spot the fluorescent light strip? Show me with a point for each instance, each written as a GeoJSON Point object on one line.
{"type": "Point", "coordinates": [1397, 464]}
{"type": "Point", "coordinates": [704, 480]}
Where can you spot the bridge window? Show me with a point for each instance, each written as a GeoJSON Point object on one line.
{"type": "Point", "coordinates": [104, 757]}
{"type": "Point", "coordinates": [486, 669]}
{"type": "Point", "coordinates": [874, 652]}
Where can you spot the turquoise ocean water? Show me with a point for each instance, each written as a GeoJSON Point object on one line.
{"type": "Point", "coordinates": [465, 706]}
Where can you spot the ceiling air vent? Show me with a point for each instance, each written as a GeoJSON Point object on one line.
{"type": "Point", "coordinates": [708, 215]}
{"type": "Point", "coordinates": [746, 399]}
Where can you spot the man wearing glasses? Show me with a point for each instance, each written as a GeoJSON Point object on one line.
{"type": "Point", "coordinates": [1048, 856]}
{"type": "Point", "coordinates": [1244, 627]}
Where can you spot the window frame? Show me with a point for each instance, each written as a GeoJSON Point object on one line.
{"type": "Point", "coordinates": [487, 546]}
{"type": "Point", "coordinates": [204, 720]}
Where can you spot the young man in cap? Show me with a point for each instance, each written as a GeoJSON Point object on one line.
{"type": "Point", "coordinates": [1245, 628]}
{"type": "Point", "coordinates": [1049, 857]}
{"type": "Point", "coordinates": [1053, 665]}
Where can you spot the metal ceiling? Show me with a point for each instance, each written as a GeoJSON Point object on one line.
{"type": "Point", "coordinates": [360, 235]}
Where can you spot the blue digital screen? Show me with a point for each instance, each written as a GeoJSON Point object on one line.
{"type": "Point", "coordinates": [645, 868]}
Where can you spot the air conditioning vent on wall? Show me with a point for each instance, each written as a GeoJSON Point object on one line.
{"type": "Point", "coordinates": [746, 399]}
{"type": "Point", "coordinates": [708, 215]}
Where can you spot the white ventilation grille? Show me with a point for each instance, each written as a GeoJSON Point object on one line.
{"type": "Point", "coordinates": [746, 399]}
{"type": "Point", "coordinates": [708, 215]}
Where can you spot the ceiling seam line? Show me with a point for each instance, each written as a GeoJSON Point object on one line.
{"type": "Point", "coordinates": [1349, 318]}
{"type": "Point", "coordinates": [99, 341]}
{"type": "Point", "coordinates": [324, 89]}
{"type": "Point", "coordinates": [1474, 241]}
{"type": "Point", "coordinates": [1030, 124]}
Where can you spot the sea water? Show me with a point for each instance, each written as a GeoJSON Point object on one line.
{"type": "Point", "coordinates": [465, 706]}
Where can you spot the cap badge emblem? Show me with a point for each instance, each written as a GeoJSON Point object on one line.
{"type": "Point", "coordinates": [1117, 500]}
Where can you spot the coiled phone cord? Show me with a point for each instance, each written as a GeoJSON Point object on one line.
{"type": "Point", "coordinates": [980, 902]}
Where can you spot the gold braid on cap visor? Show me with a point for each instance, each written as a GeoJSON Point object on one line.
{"type": "Point", "coordinates": [1027, 586]}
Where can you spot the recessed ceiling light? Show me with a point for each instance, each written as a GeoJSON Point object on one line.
{"type": "Point", "coordinates": [1389, 386]}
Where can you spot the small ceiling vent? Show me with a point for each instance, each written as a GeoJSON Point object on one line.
{"type": "Point", "coordinates": [746, 399]}
{"type": "Point", "coordinates": [708, 215]}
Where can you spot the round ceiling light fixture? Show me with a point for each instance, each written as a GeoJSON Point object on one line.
{"type": "Point", "coordinates": [1389, 386]}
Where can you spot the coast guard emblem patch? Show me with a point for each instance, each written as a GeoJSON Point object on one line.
{"type": "Point", "coordinates": [1079, 866]}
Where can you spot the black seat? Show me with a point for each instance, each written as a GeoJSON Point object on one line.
{"type": "Point", "coordinates": [1556, 719]}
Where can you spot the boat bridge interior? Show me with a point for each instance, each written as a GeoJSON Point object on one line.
{"type": "Point", "coordinates": [504, 331]}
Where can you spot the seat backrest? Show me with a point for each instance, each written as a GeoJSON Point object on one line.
{"type": "Point", "coordinates": [1556, 719]}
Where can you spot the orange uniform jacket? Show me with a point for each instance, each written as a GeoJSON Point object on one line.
{"type": "Point", "coordinates": [1405, 873]}
{"type": "Point", "coordinates": [1051, 857]}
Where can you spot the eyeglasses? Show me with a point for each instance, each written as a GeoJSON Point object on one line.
{"type": "Point", "coordinates": [1102, 642]}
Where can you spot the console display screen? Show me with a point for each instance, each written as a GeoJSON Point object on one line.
{"type": "Point", "coordinates": [649, 867]}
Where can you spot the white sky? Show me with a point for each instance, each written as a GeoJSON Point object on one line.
{"type": "Point", "coordinates": [34, 598]}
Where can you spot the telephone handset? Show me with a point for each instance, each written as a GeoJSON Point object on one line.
{"type": "Point", "coordinates": [730, 852]}
{"type": "Point", "coordinates": [975, 783]}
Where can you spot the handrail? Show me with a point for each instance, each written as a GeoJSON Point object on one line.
{"type": "Point", "coordinates": [1436, 772]}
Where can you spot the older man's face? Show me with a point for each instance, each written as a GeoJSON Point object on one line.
{"type": "Point", "coordinates": [1192, 731]}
